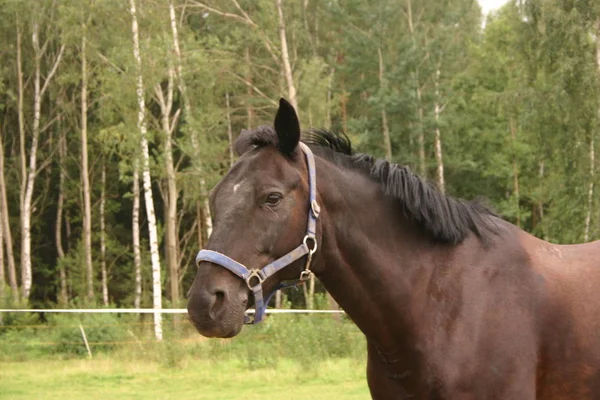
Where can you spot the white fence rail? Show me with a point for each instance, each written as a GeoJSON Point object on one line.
{"type": "Point", "coordinates": [155, 311]}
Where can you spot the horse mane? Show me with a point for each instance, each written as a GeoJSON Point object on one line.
{"type": "Point", "coordinates": [444, 218]}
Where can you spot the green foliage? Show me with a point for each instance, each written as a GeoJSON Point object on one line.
{"type": "Point", "coordinates": [518, 102]}
{"type": "Point", "coordinates": [305, 339]}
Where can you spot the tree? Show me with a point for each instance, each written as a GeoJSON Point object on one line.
{"type": "Point", "coordinates": [30, 171]}
{"type": "Point", "coordinates": [147, 180]}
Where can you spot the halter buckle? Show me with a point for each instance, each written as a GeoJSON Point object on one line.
{"type": "Point", "coordinates": [316, 210]}
{"type": "Point", "coordinates": [254, 273]}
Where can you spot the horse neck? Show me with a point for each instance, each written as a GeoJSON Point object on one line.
{"type": "Point", "coordinates": [374, 261]}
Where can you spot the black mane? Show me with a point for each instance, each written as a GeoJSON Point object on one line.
{"type": "Point", "coordinates": [444, 218]}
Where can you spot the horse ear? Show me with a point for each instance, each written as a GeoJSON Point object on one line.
{"type": "Point", "coordinates": [287, 127]}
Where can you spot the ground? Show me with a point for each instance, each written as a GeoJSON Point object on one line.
{"type": "Point", "coordinates": [106, 378]}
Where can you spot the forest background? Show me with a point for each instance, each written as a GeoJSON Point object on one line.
{"type": "Point", "coordinates": [117, 117]}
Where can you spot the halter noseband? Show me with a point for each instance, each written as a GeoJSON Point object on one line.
{"type": "Point", "coordinates": [255, 277]}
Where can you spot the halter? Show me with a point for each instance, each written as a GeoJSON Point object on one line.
{"type": "Point", "coordinates": [255, 277]}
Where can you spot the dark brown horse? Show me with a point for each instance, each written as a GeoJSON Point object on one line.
{"type": "Point", "coordinates": [455, 303]}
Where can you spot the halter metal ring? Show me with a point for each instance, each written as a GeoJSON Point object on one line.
{"type": "Point", "coordinates": [305, 275]}
{"type": "Point", "coordinates": [314, 243]}
{"type": "Point", "coordinates": [254, 273]}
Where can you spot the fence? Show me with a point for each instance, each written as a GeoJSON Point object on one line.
{"type": "Point", "coordinates": [157, 313]}
{"type": "Point", "coordinates": [46, 332]}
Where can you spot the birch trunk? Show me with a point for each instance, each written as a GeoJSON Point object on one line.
{"type": "Point", "coordinates": [422, 163]}
{"type": "Point", "coordinates": [421, 131]}
{"type": "Point", "coordinates": [199, 223]}
{"type": "Point", "coordinates": [344, 107]}
{"type": "Point", "coordinates": [329, 96]}
{"type": "Point", "coordinates": [147, 180]}
{"type": "Point", "coordinates": [590, 206]}
{"type": "Point", "coordinates": [384, 122]}
{"type": "Point", "coordinates": [135, 226]}
{"type": "Point", "coordinates": [207, 222]}
{"type": "Point", "coordinates": [85, 179]}
{"type": "Point", "coordinates": [2, 278]}
{"type": "Point", "coordinates": [516, 188]}
{"type": "Point", "coordinates": [62, 274]}
{"type": "Point", "coordinates": [588, 216]}
{"type": "Point", "coordinates": [229, 130]}
{"type": "Point", "coordinates": [249, 108]}
{"type": "Point", "coordinates": [285, 58]}
{"type": "Point", "coordinates": [171, 234]}
{"type": "Point", "coordinates": [438, 135]}
{"type": "Point", "coordinates": [103, 235]}
{"type": "Point", "coordinates": [31, 173]}
{"type": "Point", "coordinates": [6, 232]}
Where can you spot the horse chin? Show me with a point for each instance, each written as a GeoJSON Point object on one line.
{"type": "Point", "coordinates": [227, 324]}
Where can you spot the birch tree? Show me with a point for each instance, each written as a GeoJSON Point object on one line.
{"type": "Point", "coordinates": [438, 136]}
{"type": "Point", "coordinates": [285, 57]}
{"type": "Point", "coordinates": [85, 178]}
{"type": "Point", "coordinates": [590, 199]}
{"type": "Point", "coordinates": [168, 124]}
{"type": "Point", "coordinates": [135, 228]}
{"type": "Point", "coordinates": [384, 119]}
{"type": "Point", "coordinates": [29, 172]}
{"type": "Point", "coordinates": [62, 151]}
{"type": "Point", "coordinates": [203, 209]}
{"type": "Point", "coordinates": [6, 229]}
{"type": "Point", "coordinates": [2, 277]}
{"type": "Point", "coordinates": [103, 234]}
{"type": "Point", "coordinates": [146, 178]}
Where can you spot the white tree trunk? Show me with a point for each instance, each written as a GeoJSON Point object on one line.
{"type": "Point", "coordinates": [384, 122]}
{"type": "Point", "coordinates": [515, 168]}
{"type": "Point", "coordinates": [590, 205]}
{"type": "Point", "coordinates": [85, 179]}
{"type": "Point", "coordinates": [135, 226]}
{"type": "Point", "coordinates": [438, 136]}
{"type": "Point", "coordinates": [285, 58]}
{"type": "Point", "coordinates": [22, 152]}
{"type": "Point", "coordinates": [62, 152]}
{"type": "Point", "coordinates": [229, 130]}
{"type": "Point", "coordinates": [171, 234]}
{"type": "Point", "coordinates": [249, 108]}
{"type": "Point", "coordinates": [6, 232]}
{"type": "Point", "coordinates": [103, 235]}
{"type": "Point", "coordinates": [329, 96]}
{"type": "Point", "coordinates": [421, 131]}
{"type": "Point", "coordinates": [26, 211]}
{"type": "Point", "coordinates": [147, 180]}
{"type": "Point", "coordinates": [2, 277]}
{"type": "Point", "coordinates": [588, 216]}
{"type": "Point", "coordinates": [207, 223]}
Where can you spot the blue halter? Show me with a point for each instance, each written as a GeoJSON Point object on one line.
{"type": "Point", "coordinates": [255, 277]}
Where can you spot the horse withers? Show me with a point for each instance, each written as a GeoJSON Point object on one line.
{"type": "Point", "coordinates": [454, 302]}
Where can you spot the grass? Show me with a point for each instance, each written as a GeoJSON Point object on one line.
{"type": "Point", "coordinates": [108, 377]}
{"type": "Point", "coordinates": [286, 357]}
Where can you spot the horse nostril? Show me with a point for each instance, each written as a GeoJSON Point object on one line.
{"type": "Point", "coordinates": [219, 300]}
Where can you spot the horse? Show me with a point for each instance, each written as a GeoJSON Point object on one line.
{"type": "Point", "coordinates": [454, 302]}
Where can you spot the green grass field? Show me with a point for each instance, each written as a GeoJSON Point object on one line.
{"type": "Point", "coordinates": [106, 378]}
{"type": "Point", "coordinates": [287, 357]}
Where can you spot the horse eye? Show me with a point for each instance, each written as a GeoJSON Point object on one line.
{"type": "Point", "coordinates": [273, 199]}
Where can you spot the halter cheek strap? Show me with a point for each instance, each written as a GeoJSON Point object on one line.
{"type": "Point", "coordinates": [254, 278]}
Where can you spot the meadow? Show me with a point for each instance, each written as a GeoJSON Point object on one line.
{"type": "Point", "coordinates": [288, 357]}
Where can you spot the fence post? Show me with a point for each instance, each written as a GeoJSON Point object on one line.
{"type": "Point", "coordinates": [87, 346]}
